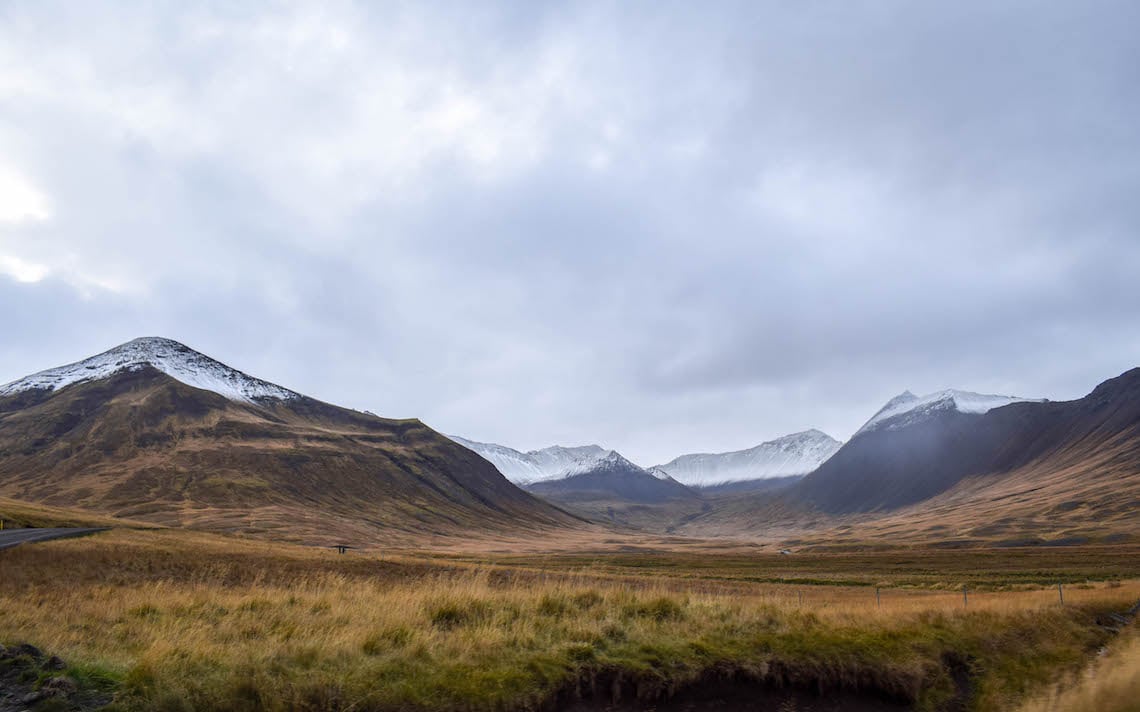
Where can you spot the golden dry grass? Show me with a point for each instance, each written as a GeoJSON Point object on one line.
{"type": "Point", "coordinates": [16, 514]}
{"type": "Point", "coordinates": [1110, 685]}
{"type": "Point", "coordinates": [182, 620]}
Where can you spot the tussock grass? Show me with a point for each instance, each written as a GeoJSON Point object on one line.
{"type": "Point", "coordinates": [1110, 685]}
{"type": "Point", "coordinates": [17, 514]}
{"type": "Point", "coordinates": [183, 621]}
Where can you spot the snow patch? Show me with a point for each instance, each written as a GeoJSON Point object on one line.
{"type": "Point", "coordinates": [551, 463]}
{"type": "Point", "coordinates": [796, 454]}
{"type": "Point", "coordinates": [170, 357]}
{"type": "Point", "coordinates": [906, 409]}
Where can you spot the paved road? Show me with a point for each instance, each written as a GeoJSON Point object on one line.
{"type": "Point", "coordinates": [14, 537]}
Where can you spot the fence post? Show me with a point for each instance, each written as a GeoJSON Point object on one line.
{"type": "Point", "coordinates": [1061, 593]}
{"type": "Point", "coordinates": [878, 603]}
{"type": "Point", "coordinates": [965, 598]}
{"type": "Point", "coordinates": [801, 593]}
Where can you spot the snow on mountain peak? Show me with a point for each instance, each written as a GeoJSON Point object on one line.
{"type": "Point", "coordinates": [550, 463]}
{"type": "Point", "coordinates": [176, 360]}
{"type": "Point", "coordinates": [907, 408]}
{"type": "Point", "coordinates": [795, 454]}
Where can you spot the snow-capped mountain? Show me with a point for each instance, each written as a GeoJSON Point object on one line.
{"type": "Point", "coordinates": [791, 455]}
{"type": "Point", "coordinates": [551, 463]}
{"type": "Point", "coordinates": [907, 408]}
{"type": "Point", "coordinates": [176, 360]}
{"type": "Point", "coordinates": [915, 447]}
{"type": "Point", "coordinates": [614, 462]}
{"type": "Point", "coordinates": [156, 431]}
{"type": "Point", "coordinates": [613, 480]}
{"type": "Point", "coordinates": [578, 474]}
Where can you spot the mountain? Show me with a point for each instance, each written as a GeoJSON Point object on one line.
{"type": "Point", "coordinates": [575, 475]}
{"type": "Point", "coordinates": [613, 478]}
{"type": "Point", "coordinates": [791, 455]}
{"type": "Point", "coordinates": [153, 430]}
{"type": "Point", "coordinates": [1029, 472]}
{"type": "Point", "coordinates": [908, 409]}
{"type": "Point", "coordinates": [164, 355]}
{"type": "Point", "coordinates": [916, 448]}
{"type": "Point", "coordinates": [524, 468]}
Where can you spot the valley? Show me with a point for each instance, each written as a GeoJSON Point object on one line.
{"type": "Point", "coordinates": [207, 621]}
{"type": "Point", "coordinates": [569, 356]}
{"type": "Point", "coordinates": [959, 552]}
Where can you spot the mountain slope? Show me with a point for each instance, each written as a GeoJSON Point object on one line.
{"type": "Point", "coordinates": [613, 478]}
{"type": "Point", "coordinates": [796, 454]}
{"type": "Point", "coordinates": [908, 409]}
{"type": "Point", "coordinates": [170, 357]}
{"type": "Point", "coordinates": [589, 479]}
{"type": "Point", "coordinates": [551, 463]}
{"type": "Point", "coordinates": [910, 454]}
{"type": "Point", "coordinates": [155, 431]}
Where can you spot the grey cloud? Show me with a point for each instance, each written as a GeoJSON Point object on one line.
{"type": "Point", "coordinates": [659, 227]}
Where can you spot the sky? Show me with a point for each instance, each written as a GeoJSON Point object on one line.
{"type": "Point", "coordinates": [661, 227]}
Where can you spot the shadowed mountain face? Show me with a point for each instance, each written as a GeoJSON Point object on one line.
{"type": "Point", "coordinates": [886, 468]}
{"type": "Point", "coordinates": [576, 475]}
{"type": "Point", "coordinates": [125, 434]}
{"type": "Point", "coordinates": [615, 479]}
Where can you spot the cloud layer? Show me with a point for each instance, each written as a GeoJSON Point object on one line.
{"type": "Point", "coordinates": [661, 228]}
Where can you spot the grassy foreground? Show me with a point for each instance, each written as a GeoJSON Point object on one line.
{"type": "Point", "coordinates": [1112, 684]}
{"type": "Point", "coordinates": [178, 621]}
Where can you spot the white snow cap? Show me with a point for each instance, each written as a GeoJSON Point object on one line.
{"type": "Point", "coordinates": [796, 454]}
{"type": "Point", "coordinates": [176, 360]}
{"type": "Point", "coordinates": [551, 463]}
{"type": "Point", "coordinates": [907, 408]}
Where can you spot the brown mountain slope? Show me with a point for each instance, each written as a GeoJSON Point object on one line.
{"type": "Point", "coordinates": [891, 468]}
{"type": "Point", "coordinates": [1027, 473]}
{"type": "Point", "coordinates": [142, 445]}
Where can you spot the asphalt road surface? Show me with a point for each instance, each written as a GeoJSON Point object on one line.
{"type": "Point", "coordinates": [14, 537]}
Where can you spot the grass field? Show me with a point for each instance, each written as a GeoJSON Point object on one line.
{"type": "Point", "coordinates": [1112, 683]}
{"type": "Point", "coordinates": [16, 514]}
{"type": "Point", "coordinates": [919, 568]}
{"type": "Point", "coordinates": [179, 620]}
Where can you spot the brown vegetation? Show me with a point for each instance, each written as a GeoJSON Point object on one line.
{"type": "Point", "coordinates": [173, 619]}
{"type": "Point", "coordinates": [143, 446]}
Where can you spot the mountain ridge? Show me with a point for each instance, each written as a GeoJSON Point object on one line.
{"type": "Point", "coordinates": [549, 463]}
{"type": "Point", "coordinates": [127, 438]}
{"type": "Point", "coordinates": [789, 455]}
{"type": "Point", "coordinates": [166, 355]}
{"type": "Point", "coordinates": [921, 453]}
{"type": "Point", "coordinates": [906, 407]}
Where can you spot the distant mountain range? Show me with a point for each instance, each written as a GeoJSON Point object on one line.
{"type": "Point", "coordinates": [585, 473]}
{"type": "Point", "coordinates": [601, 483]}
{"type": "Point", "coordinates": [791, 455]}
{"type": "Point", "coordinates": [913, 451]}
{"type": "Point", "coordinates": [569, 474]}
{"type": "Point", "coordinates": [916, 448]}
{"type": "Point", "coordinates": [960, 468]}
{"type": "Point", "coordinates": [552, 463]}
{"type": "Point", "coordinates": [153, 430]}
{"type": "Point", "coordinates": [156, 431]}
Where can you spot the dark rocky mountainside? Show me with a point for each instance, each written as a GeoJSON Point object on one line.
{"type": "Point", "coordinates": [614, 479]}
{"type": "Point", "coordinates": [886, 469]}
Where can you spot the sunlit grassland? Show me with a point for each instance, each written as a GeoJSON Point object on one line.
{"type": "Point", "coordinates": [17, 514]}
{"type": "Point", "coordinates": [1112, 684]}
{"type": "Point", "coordinates": [917, 568]}
{"type": "Point", "coordinates": [176, 620]}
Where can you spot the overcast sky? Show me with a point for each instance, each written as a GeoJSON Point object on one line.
{"type": "Point", "coordinates": [660, 227]}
